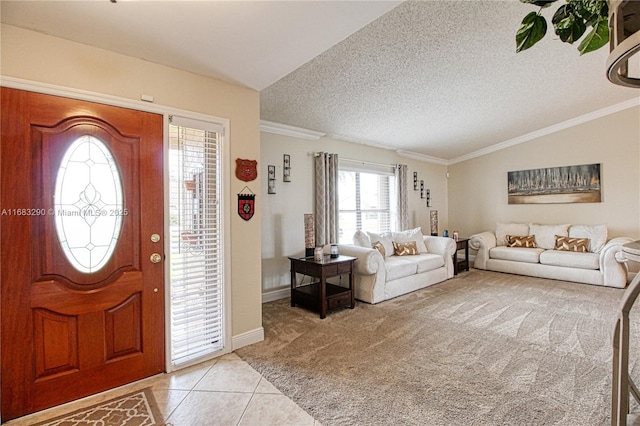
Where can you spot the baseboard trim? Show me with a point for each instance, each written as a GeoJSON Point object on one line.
{"type": "Point", "coordinates": [247, 338]}
{"type": "Point", "coordinates": [272, 296]}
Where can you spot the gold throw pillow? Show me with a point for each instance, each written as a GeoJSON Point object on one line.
{"type": "Point", "coordinates": [524, 241]}
{"type": "Point", "coordinates": [378, 246]}
{"type": "Point", "coordinates": [579, 245]}
{"type": "Point", "coordinates": [405, 249]}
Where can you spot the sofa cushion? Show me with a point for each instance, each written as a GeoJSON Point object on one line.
{"type": "Point", "coordinates": [411, 235]}
{"type": "Point", "coordinates": [578, 245]}
{"type": "Point", "coordinates": [405, 249]}
{"type": "Point", "coordinates": [399, 267]}
{"type": "Point", "coordinates": [546, 234]}
{"type": "Point", "coordinates": [361, 239]}
{"type": "Point", "coordinates": [570, 259]}
{"type": "Point", "coordinates": [525, 241]}
{"type": "Point", "coordinates": [597, 235]}
{"type": "Point", "coordinates": [517, 254]}
{"type": "Point", "coordinates": [428, 262]}
{"type": "Point", "coordinates": [504, 229]}
{"type": "Point", "coordinates": [385, 239]}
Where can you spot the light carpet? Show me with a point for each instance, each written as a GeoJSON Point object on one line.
{"type": "Point", "coordinates": [482, 348]}
{"type": "Point", "coordinates": [134, 409]}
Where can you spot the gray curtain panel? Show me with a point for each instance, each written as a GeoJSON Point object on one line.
{"type": "Point", "coordinates": [402, 221]}
{"type": "Point", "coordinates": [326, 176]}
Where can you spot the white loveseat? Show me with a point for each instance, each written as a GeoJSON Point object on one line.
{"type": "Point", "coordinates": [380, 277]}
{"type": "Point", "coordinates": [552, 257]}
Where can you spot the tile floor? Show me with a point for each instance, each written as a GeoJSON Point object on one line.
{"type": "Point", "coordinates": [224, 391]}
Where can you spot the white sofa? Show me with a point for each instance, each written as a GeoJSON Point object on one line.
{"type": "Point", "coordinates": [551, 258]}
{"type": "Point", "coordinates": [380, 277]}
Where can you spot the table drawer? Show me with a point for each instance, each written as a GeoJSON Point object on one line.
{"type": "Point", "coordinates": [339, 301]}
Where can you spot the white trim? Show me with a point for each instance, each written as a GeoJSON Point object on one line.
{"type": "Point", "coordinates": [85, 95]}
{"type": "Point", "coordinates": [525, 138]}
{"type": "Point", "coordinates": [286, 130]}
{"type": "Point", "coordinates": [248, 338]}
{"type": "Point", "coordinates": [165, 111]}
{"type": "Point", "coordinates": [273, 295]}
{"type": "Point", "coordinates": [549, 130]}
{"type": "Point", "coordinates": [422, 157]}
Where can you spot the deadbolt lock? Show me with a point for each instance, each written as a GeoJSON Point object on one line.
{"type": "Point", "coordinates": [155, 238]}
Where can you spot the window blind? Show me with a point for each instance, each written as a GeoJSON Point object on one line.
{"type": "Point", "coordinates": [196, 249]}
{"type": "Point", "coordinates": [367, 201]}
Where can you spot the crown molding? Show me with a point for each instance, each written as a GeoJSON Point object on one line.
{"type": "Point", "coordinates": [286, 130]}
{"type": "Point", "coordinates": [422, 157]}
{"type": "Point", "coordinates": [549, 130]}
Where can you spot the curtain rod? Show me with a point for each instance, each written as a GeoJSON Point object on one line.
{"type": "Point", "coordinates": [368, 163]}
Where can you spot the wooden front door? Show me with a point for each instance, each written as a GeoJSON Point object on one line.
{"type": "Point", "coordinates": [81, 204]}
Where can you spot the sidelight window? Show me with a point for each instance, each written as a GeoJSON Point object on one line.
{"type": "Point", "coordinates": [196, 240]}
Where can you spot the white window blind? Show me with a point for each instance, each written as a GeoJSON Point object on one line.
{"type": "Point", "coordinates": [196, 247]}
{"type": "Point", "coordinates": [367, 199]}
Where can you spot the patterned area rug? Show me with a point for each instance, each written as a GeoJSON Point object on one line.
{"type": "Point", "coordinates": [135, 409]}
{"type": "Point", "coordinates": [482, 348]}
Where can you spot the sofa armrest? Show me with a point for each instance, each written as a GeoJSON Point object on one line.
{"type": "Point", "coordinates": [443, 246]}
{"type": "Point", "coordinates": [482, 242]}
{"type": "Point", "coordinates": [370, 261]}
{"type": "Point", "coordinates": [614, 271]}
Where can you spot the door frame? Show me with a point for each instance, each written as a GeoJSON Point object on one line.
{"type": "Point", "coordinates": [165, 111]}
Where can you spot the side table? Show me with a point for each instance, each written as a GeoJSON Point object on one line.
{"type": "Point", "coordinates": [462, 264]}
{"type": "Point", "coordinates": [320, 295]}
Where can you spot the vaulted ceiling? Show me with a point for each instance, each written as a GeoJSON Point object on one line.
{"type": "Point", "coordinates": [437, 78]}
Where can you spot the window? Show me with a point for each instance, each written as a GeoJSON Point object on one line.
{"type": "Point", "coordinates": [367, 199]}
{"type": "Point", "coordinates": [88, 191]}
{"type": "Point", "coordinates": [196, 272]}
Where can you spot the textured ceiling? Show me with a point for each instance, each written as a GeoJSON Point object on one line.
{"type": "Point", "coordinates": [442, 79]}
{"type": "Point", "coordinates": [438, 78]}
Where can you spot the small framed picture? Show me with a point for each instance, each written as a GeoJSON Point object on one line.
{"type": "Point", "coordinates": [271, 179]}
{"type": "Point", "coordinates": [286, 168]}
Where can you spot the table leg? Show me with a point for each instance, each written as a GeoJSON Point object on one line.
{"type": "Point", "coordinates": [466, 255]}
{"type": "Point", "coordinates": [293, 286]}
{"type": "Point", "coordinates": [353, 293]}
{"type": "Point", "coordinates": [323, 297]}
{"type": "Point", "coordinates": [455, 262]}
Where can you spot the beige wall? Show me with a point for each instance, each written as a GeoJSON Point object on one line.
{"type": "Point", "coordinates": [478, 187]}
{"type": "Point", "coordinates": [41, 58]}
{"type": "Point", "coordinates": [283, 212]}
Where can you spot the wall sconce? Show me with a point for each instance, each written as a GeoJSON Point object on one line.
{"type": "Point", "coordinates": [415, 181]}
{"type": "Point", "coordinates": [271, 183]}
{"type": "Point", "coordinates": [421, 189]}
{"type": "Point", "coordinates": [428, 198]}
{"type": "Point", "coordinates": [286, 168]}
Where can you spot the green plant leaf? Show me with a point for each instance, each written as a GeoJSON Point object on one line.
{"type": "Point", "coordinates": [567, 25]}
{"type": "Point", "coordinates": [598, 37]}
{"type": "Point", "coordinates": [531, 31]}
{"type": "Point", "coordinates": [539, 3]}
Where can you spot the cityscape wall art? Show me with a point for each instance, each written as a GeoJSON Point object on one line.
{"type": "Point", "coordinates": [569, 184]}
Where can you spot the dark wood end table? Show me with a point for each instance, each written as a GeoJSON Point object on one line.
{"type": "Point", "coordinates": [462, 264]}
{"type": "Point", "coordinates": [320, 295]}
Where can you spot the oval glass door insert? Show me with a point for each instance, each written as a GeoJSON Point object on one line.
{"type": "Point", "coordinates": [88, 203]}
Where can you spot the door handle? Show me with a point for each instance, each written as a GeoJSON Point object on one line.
{"type": "Point", "coordinates": [155, 258]}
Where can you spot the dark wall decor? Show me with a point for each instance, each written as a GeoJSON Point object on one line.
{"type": "Point", "coordinates": [569, 184]}
{"type": "Point", "coordinates": [286, 168]}
{"type": "Point", "coordinates": [415, 181]}
{"type": "Point", "coordinates": [271, 179]}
